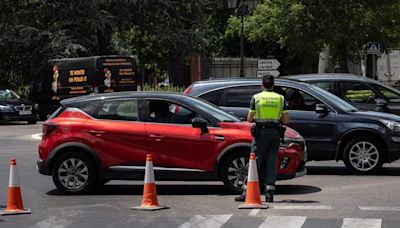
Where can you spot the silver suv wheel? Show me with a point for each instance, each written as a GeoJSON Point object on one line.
{"type": "Point", "coordinates": [364, 156]}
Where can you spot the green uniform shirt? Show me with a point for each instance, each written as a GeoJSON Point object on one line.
{"type": "Point", "coordinates": [268, 106]}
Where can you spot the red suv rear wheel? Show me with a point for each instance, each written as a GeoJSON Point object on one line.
{"type": "Point", "coordinates": [74, 173]}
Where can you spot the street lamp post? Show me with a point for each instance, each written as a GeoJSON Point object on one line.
{"type": "Point", "coordinates": [240, 11]}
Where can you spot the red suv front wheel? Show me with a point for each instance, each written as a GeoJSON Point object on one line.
{"type": "Point", "coordinates": [233, 171]}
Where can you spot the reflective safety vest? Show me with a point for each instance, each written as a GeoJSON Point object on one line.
{"type": "Point", "coordinates": [268, 107]}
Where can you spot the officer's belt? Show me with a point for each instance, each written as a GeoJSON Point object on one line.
{"type": "Point", "coordinates": [267, 125]}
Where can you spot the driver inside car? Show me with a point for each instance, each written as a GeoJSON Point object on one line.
{"type": "Point", "coordinates": [160, 113]}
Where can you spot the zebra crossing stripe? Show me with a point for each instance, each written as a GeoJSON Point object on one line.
{"type": "Point", "coordinates": [206, 221]}
{"type": "Point", "coordinates": [254, 212]}
{"type": "Point", "coordinates": [283, 221]}
{"type": "Point", "coordinates": [379, 208]}
{"type": "Point", "coordinates": [302, 207]}
{"type": "Point", "coordinates": [361, 222]}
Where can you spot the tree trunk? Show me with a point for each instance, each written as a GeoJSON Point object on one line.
{"type": "Point", "coordinates": [323, 62]}
{"type": "Point", "coordinates": [104, 41]}
{"type": "Point", "coordinates": [344, 67]}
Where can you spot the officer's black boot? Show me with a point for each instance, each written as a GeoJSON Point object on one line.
{"type": "Point", "coordinates": [241, 198]}
{"type": "Point", "coordinates": [269, 193]}
{"type": "Point", "coordinates": [269, 197]}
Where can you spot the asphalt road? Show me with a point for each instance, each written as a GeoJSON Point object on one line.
{"type": "Point", "coordinates": [329, 196]}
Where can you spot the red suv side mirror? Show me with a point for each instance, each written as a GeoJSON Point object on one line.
{"type": "Point", "coordinates": [200, 123]}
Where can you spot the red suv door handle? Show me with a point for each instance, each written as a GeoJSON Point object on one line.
{"type": "Point", "coordinates": [96, 132]}
{"type": "Point", "coordinates": [156, 137]}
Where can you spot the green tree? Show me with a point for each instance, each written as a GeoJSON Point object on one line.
{"type": "Point", "coordinates": [37, 30]}
{"type": "Point", "coordinates": [163, 31]}
{"type": "Point", "coordinates": [305, 26]}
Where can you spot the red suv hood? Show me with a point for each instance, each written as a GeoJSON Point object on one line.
{"type": "Point", "coordinates": [290, 133]}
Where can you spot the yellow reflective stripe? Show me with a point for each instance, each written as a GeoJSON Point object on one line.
{"type": "Point", "coordinates": [263, 111]}
{"type": "Point", "coordinates": [258, 114]}
{"type": "Point", "coordinates": [282, 103]}
{"type": "Point", "coordinates": [285, 111]}
{"type": "Point", "coordinates": [252, 110]}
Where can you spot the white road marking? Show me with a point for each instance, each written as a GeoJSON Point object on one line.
{"type": "Point", "coordinates": [254, 212]}
{"type": "Point", "coordinates": [379, 208]}
{"type": "Point", "coordinates": [302, 207]}
{"type": "Point", "coordinates": [54, 222]}
{"type": "Point", "coordinates": [361, 222]}
{"type": "Point", "coordinates": [37, 136]}
{"type": "Point", "coordinates": [283, 221]}
{"type": "Point", "coordinates": [206, 221]}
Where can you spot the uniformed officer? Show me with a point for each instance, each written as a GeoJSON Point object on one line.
{"type": "Point", "coordinates": [267, 110]}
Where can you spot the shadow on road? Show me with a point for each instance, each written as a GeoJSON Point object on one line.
{"type": "Point", "coordinates": [162, 189]}
{"type": "Point", "coordinates": [295, 189]}
{"type": "Point", "coordinates": [182, 189]}
{"type": "Point", "coordinates": [326, 170]}
{"type": "Point", "coordinates": [1, 208]}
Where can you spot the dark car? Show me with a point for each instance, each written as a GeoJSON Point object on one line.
{"type": "Point", "coordinates": [363, 93]}
{"type": "Point", "coordinates": [332, 128]}
{"type": "Point", "coordinates": [14, 108]}
{"type": "Point", "coordinates": [96, 138]}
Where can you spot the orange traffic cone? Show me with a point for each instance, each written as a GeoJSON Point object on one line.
{"type": "Point", "coordinates": [149, 201]}
{"type": "Point", "coordinates": [253, 198]}
{"type": "Point", "coordinates": [14, 205]}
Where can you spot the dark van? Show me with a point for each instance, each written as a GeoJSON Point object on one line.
{"type": "Point", "coordinates": [65, 78]}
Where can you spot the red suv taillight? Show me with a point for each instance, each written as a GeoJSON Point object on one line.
{"type": "Point", "coordinates": [48, 128]}
{"type": "Point", "coordinates": [187, 90]}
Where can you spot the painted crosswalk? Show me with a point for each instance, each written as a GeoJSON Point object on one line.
{"type": "Point", "coordinates": [216, 221]}
{"type": "Point", "coordinates": [206, 221]}
{"type": "Point", "coordinates": [229, 220]}
{"type": "Point", "coordinates": [361, 222]}
{"type": "Point", "coordinates": [374, 208]}
{"type": "Point", "coordinates": [283, 221]}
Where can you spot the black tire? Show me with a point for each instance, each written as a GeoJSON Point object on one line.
{"type": "Point", "coordinates": [32, 121]}
{"type": "Point", "coordinates": [363, 155]}
{"type": "Point", "coordinates": [76, 176]}
{"type": "Point", "coordinates": [226, 173]}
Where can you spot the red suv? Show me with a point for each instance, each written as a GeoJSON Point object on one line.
{"type": "Point", "coordinates": [93, 139]}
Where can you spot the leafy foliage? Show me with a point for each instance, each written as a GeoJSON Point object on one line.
{"type": "Point", "coordinates": [305, 26]}
{"type": "Point", "coordinates": [160, 32]}
{"type": "Point", "coordinates": [155, 30]}
{"type": "Point", "coordinates": [167, 88]}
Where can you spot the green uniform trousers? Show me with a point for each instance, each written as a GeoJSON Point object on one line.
{"type": "Point", "coordinates": [266, 147]}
